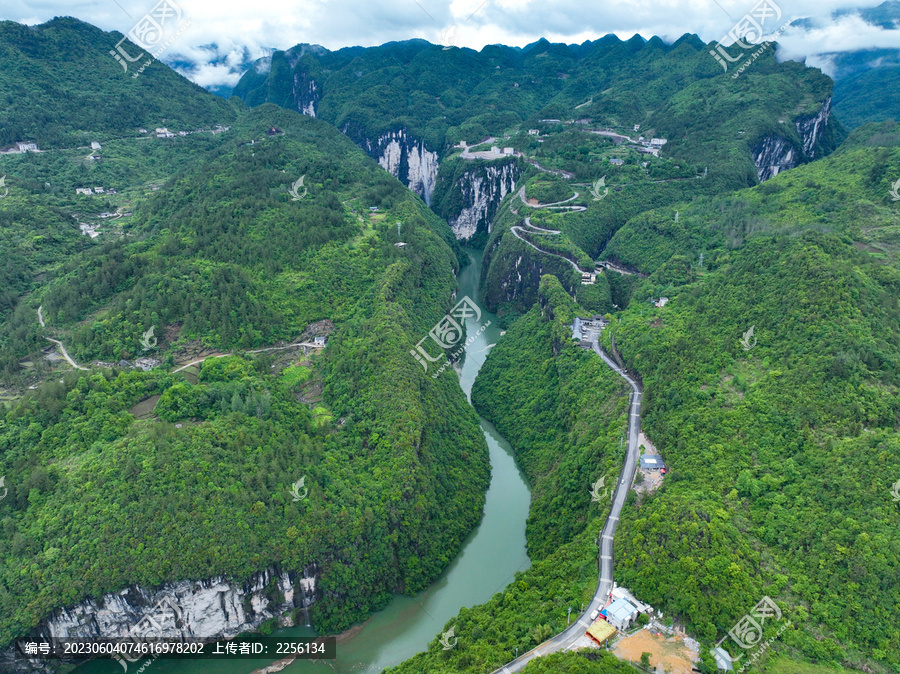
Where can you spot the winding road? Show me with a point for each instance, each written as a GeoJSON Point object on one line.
{"type": "Point", "coordinates": [566, 639]}
{"type": "Point", "coordinates": [534, 229]}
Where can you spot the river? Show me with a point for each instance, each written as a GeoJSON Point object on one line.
{"type": "Point", "coordinates": [487, 563]}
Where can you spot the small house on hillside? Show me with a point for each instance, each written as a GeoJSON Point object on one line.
{"type": "Point", "coordinates": [95, 145]}
{"type": "Point", "coordinates": [319, 341]}
{"type": "Point", "coordinates": [616, 162]}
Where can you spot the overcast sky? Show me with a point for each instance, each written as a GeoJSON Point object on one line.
{"type": "Point", "coordinates": [225, 30]}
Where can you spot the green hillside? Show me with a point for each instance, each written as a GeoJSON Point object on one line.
{"type": "Point", "coordinates": [60, 87]}
{"type": "Point", "coordinates": [869, 96]}
{"type": "Point", "coordinates": [782, 456]}
{"type": "Point", "coordinates": [167, 475]}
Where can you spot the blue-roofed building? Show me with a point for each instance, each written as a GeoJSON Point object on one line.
{"type": "Point", "coordinates": [620, 614]}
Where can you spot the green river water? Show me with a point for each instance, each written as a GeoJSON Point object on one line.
{"type": "Point", "coordinates": [490, 557]}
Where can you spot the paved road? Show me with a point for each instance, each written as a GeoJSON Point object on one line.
{"type": "Point", "coordinates": [65, 354]}
{"type": "Point", "coordinates": [515, 229]}
{"type": "Point", "coordinates": [270, 348]}
{"type": "Point", "coordinates": [566, 639]}
{"type": "Point", "coordinates": [534, 229]}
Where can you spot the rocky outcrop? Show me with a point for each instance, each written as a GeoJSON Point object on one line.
{"type": "Point", "coordinates": [217, 608]}
{"type": "Point", "coordinates": [773, 153]}
{"type": "Point", "coordinates": [306, 94]}
{"type": "Point", "coordinates": [404, 157]}
{"type": "Point", "coordinates": [512, 271]}
{"type": "Point", "coordinates": [812, 128]}
{"type": "Point", "coordinates": [482, 189]}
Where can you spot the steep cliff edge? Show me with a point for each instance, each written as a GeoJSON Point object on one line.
{"type": "Point", "coordinates": [468, 194]}
{"type": "Point", "coordinates": [216, 608]}
{"type": "Point", "coordinates": [817, 135]}
{"type": "Point", "coordinates": [403, 156]}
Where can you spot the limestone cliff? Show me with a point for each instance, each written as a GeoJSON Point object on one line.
{"type": "Point", "coordinates": [774, 153]}
{"type": "Point", "coordinates": [216, 608]}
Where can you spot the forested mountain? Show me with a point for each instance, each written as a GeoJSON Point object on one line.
{"type": "Point", "coordinates": [781, 442]}
{"type": "Point", "coordinates": [60, 87]}
{"type": "Point", "coordinates": [171, 412]}
{"type": "Point", "coordinates": [584, 111]}
{"type": "Point", "coordinates": [119, 477]}
{"type": "Point", "coordinates": [438, 96]}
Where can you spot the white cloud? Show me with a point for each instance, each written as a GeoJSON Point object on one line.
{"type": "Point", "coordinates": [230, 29]}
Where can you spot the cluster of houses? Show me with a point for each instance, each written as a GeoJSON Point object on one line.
{"type": "Point", "coordinates": [163, 132]}
{"type": "Point", "coordinates": [144, 363]}
{"type": "Point", "coordinates": [95, 190]}
{"type": "Point", "coordinates": [651, 146]}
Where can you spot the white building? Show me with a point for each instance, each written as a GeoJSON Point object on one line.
{"type": "Point", "coordinates": [27, 147]}
{"type": "Point", "coordinates": [532, 132]}
{"type": "Point", "coordinates": [95, 145]}
{"type": "Point", "coordinates": [623, 593]}
{"type": "Point", "coordinates": [508, 150]}
{"type": "Point", "coordinates": [723, 659]}
{"type": "Point", "coordinates": [658, 142]}
{"type": "Point", "coordinates": [83, 190]}
{"type": "Point", "coordinates": [620, 614]}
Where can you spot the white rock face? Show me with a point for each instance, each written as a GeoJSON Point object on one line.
{"type": "Point", "coordinates": [408, 160]}
{"type": "Point", "coordinates": [774, 154]}
{"type": "Point", "coordinates": [811, 128]}
{"type": "Point", "coordinates": [217, 608]}
{"type": "Point", "coordinates": [483, 189]}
